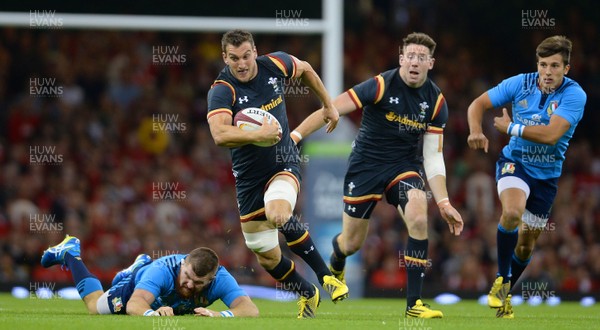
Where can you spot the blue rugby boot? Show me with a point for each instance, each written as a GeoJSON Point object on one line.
{"type": "Point", "coordinates": [55, 255]}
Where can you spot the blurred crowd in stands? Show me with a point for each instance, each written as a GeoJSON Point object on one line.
{"type": "Point", "coordinates": [105, 168]}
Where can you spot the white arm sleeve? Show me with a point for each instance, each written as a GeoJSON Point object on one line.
{"type": "Point", "coordinates": [433, 157]}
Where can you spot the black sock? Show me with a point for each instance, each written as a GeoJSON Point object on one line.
{"type": "Point", "coordinates": [286, 274]}
{"type": "Point", "coordinates": [338, 258]}
{"type": "Point", "coordinates": [517, 266]}
{"type": "Point", "coordinates": [299, 241]}
{"type": "Point", "coordinates": [415, 259]}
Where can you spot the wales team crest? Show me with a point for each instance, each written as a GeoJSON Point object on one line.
{"type": "Point", "coordinates": [552, 107]}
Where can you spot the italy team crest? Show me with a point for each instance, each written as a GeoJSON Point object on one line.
{"type": "Point", "coordinates": [552, 107]}
{"type": "Point", "coordinates": [117, 304]}
{"type": "Point", "coordinates": [508, 168]}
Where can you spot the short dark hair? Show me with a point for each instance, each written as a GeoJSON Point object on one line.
{"type": "Point", "coordinates": [236, 38]}
{"type": "Point", "coordinates": [555, 45]}
{"type": "Point", "coordinates": [419, 38]}
{"type": "Point", "coordinates": [203, 261]}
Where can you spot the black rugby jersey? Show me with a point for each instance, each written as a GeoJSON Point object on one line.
{"type": "Point", "coordinates": [395, 116]}
{"type": "Point", "coordinates": [265, 91]}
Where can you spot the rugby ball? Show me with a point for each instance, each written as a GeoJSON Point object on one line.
{"type": "Point", "coordinates": [251, 119]}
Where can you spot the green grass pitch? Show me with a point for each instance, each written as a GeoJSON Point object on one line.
{"type": "Point", "coordinates": [32, 313]}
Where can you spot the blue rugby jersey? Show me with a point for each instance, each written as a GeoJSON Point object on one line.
{"type": "Point", "coordinates": [531, 107]}
{"type": "Point", "coordinates": [160, 276]}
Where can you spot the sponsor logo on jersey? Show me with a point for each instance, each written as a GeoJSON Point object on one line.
{"type": "Point", "coordinates": [271, 105]}
{"type": "Point", "coordinates": [392, 116]}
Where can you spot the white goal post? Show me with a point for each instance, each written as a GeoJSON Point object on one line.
{"type": "Point", "coordinates": [330, 27]}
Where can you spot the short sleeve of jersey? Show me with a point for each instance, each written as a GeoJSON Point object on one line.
{"type": "Point", "coordinates": [283, 62]}
{"type": "Point", "coordinates": [572, 104]}
{"type": "Point", "coordinates": [439, 116]}
{"type": "Point", "coordinates": [367, 92]}
{"type": "Point", "coordinates": [225, 287]}
{"type": "Point", "coordinates": [506, 91]}
{"type": "Point", "coordinates": [220, 96]}
{"type": "Point", "coordinates": [154, 280]}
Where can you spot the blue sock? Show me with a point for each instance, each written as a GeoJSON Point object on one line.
{"type": "Point", "coordinates": [85, 281]}
{"type": "Point", "coordinates": [517, 266]}
{"type": "Point", "coordinates": [507, 241]}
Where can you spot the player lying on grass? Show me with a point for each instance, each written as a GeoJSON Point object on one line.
{"type": "Point", "coordinates": [172, 285]}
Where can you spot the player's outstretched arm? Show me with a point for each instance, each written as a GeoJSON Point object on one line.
{"type": "Point", "coordinates": [310, 78]}
{"type": "Point", "coordinates": [240, 307]}
{"type": "Point", "coordinates": [343, 104]}
{"type": "Point", "coordinates": [139, 304]}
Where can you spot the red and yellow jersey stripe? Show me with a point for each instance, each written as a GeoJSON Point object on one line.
{"type": "Point", "coordinates": [438, 106]}
{"type": "Point", "coordinates": [281, 65]}
{"type": "Point", "coordinates": [362, 199]}
{"type": "Point", "coordinates": [380, 88]}
{"type": "Point", "coordinates": [218, 111]}
{"type": "Point", "coordinates": [401, 177]}
{"type": "Point", "coordinates": [254, 215]}
{"type": "Point", "coordinates": [435, 130]}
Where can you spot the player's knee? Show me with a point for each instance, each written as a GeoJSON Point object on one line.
{"type": "Point", "coordinates": [278, 217]}
{"type": "Point", "coordinates": [417, 223]}
{"type": "Point", "coordinates": [511, 217]}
